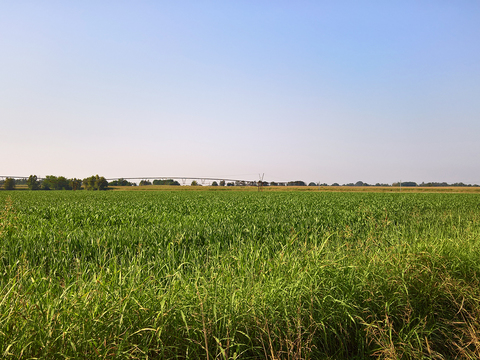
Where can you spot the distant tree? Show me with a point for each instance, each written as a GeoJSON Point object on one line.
{"type": "Point", "coordinates": [214, 183]}
{"type": "Point", "coordinates": [273, 183]}
{"type": "Point", "coordinates": [296, 183]}
{"type": "Point", "coordinates": [359, 183]}
{"type": "Point", "coordinates": [33, 183]}
{"type": "Point", "coordinates": [95, 183]}
{"type": "Point", "coordinates": [50, 182]}
{"type": "Point", "coordinates": [56, 183]}
{"type": "Point", "coordinates": [194, 183]}
{"type": "Point", "coordinates": [100, 183]}
{"type": "Point", "coordinates": [75, 184]}
{"type": "Point", "coordinates": [166, 182]}
{"type": "Point", "coordinates": [222, 182]}
{"type": "Point", "coordinates": [62, 183]}
{"type": "Point", "coordinates": [230, 184]}
{"type": "Point", "coordinates": [121, 182]}
{"type": "Point", "coordinates": [335, 184]}
{"type": "Point", "coordinates": [9, 184]}
{"type": "Point", "coordinates": [145, 182]}
{"type": "Point", "coordinates": [88, 183]}
{"type": "Point", "coordinates": [312, 184]}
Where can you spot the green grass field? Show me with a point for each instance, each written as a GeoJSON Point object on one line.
{"type": "Point", "coordinates": [239, 275]}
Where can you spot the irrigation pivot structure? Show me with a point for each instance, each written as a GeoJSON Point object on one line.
{"type": "Point", "coordinates": [183, 179]}
{"type": "Point", "coordinates": [260, 182]}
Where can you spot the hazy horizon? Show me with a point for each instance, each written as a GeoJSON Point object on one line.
{"type": "Point", "coordinates": [313, 91]}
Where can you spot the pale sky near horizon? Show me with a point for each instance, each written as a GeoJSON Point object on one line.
{"type": "Point", "coordinates": [329, 91]}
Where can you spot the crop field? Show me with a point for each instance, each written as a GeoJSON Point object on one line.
{"type": "Point", "coordinates": [239, 275]}
{"type": "Point", "coordinates": [383, 189]}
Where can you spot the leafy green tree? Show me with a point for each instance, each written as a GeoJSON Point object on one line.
{"type": "Point", "coordinates": [214, 183]}
{"type": "Point", "coordinates": [75, 184]}
{"type": "Point", "coordinates": [166, 182]}
{"type": "Point", "coordinates": [33, 183]}
{"type": "Point", "coordinates": [145, 182]}
{"type": "Point", "coordinates": [9, 184]}
{"type": "Point", "coordinates": [100, 183]}
{"type": "Point", "coordinates": [95, 183]}
{"type": "Point", "coordinates": [56, 183]}
{"type": "Point", "coordinates": [62, 183]}
{"type": "Point", "coordinates": [194, 183]}
{"type": "Point", "coordinates": [222, 182]}
{"type": "Point", "coordinates": [50, 182]}
{"type": "Point", "coordinates": [121, 182]}
{"type": "Point", "coordinates": [88, 183]}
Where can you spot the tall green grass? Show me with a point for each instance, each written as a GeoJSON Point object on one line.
{"type": "Point", "coordinates": [232, 275]}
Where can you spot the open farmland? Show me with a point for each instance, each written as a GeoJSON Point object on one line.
{"type": "Point", "coordinates": [246, 275]}
{"type": "Point", "coordinates": [383, 189]}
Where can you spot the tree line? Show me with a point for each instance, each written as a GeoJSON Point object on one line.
{"type": "Point", "coordinates": [96, 182]}
{"type": "Point", "coordinates": [51, 182]}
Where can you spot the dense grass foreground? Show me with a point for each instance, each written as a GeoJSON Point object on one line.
{"type": "Point", "coordinates": [239, 275]}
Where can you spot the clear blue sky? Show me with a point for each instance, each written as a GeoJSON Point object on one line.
{"type": "Point", "coordinates": [330, 91]}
